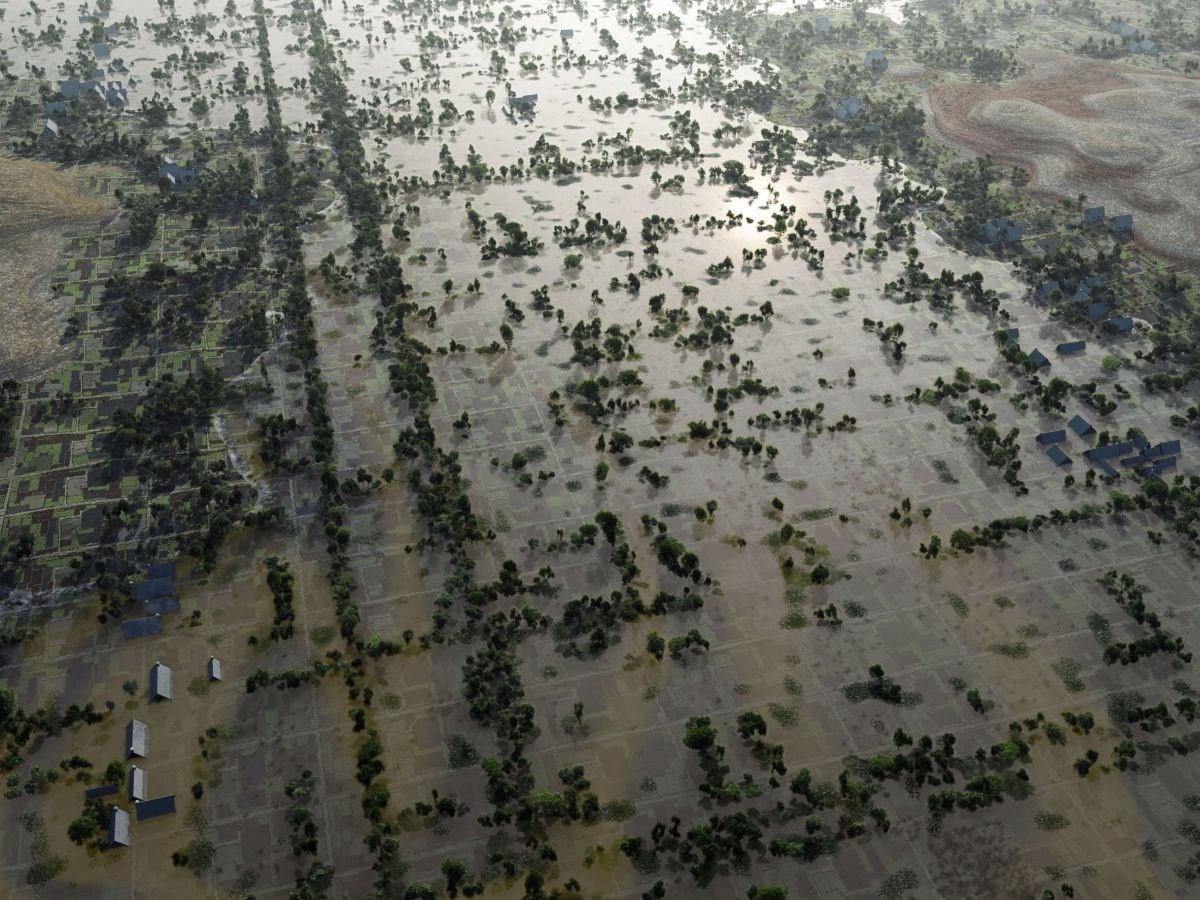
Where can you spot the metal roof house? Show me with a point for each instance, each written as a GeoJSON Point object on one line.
{"type": "Point", "coordinates": [846, 109]}
{"type": "Point", "coordinates": [1122, 224]}
{"type": "Point", "coordinates": [1166, 464]}
{"type": "Point", "coordinates": [176, 175]}
{"type": "Point", "coordinates": [1120, 324]}
{"type": "Point", "coordinates": [1052, 437]}
{"type": "Point", "coordinates": [137, 738]}
{"type": "Point", "coordinates": [115, 94]}
{"type": "Point", "coordinates": [1069, 347]}
{"type": "Point", "coordinates": [214, 669]}
{"type": "Point", "coordinates": [1057, 456]}
{"type": "Point", "coordinates": [138, 628]}
{"type": "Point", "coordinates": [101, 51]}
{"type": "Point", "coordinates": [152, 809]}
{"type": "Point", "coordinates": [1166, 448]}
{"type": "Point", "coordinates": [1093, 215]}
{"type": "Point", "coordinates": [1038, 358]}
{"type": "Point", "coordinates": [1000, 230]}
{"type": "Point", "coordinates": [103, 790]}
{"type": "Point", "coordinates": [160, 682]}
{"type": "Point", "coordinates": [1121, 27]}
{"type": "Point", "coordinates": [876, 61]}
{"type": "Point", "coordinates": [1011, 335]}
{"type": "Point", "coordinates": [1045, 291]}
{"type": "Point", "coordinates": [523, 104]}
{"type": "Point", "coordinates": [1104, 468]}
{"type": "Point", "coordinates": [1108, 451]}
{"type": "Point", "coordinates": [56, 106]}
{"type": "Point", "coordinates": [50, 130]}
{"type": "Point", "coordinates": [153, 589]}
{"type": "Point", "coordinates": [1097, 310]}
{"type": "Point", "coordinates": [118, 827]}
{"type": "Point", "coordinates": [137, 783]}
{"type": "Point", "coordinates": [1081, 426]}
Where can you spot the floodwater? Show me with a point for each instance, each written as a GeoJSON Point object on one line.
{"type": "Point", "coordinates": [932, 625]}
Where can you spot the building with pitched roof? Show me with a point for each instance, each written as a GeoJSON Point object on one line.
{"type": "Point", "coordinates": [160, 682]}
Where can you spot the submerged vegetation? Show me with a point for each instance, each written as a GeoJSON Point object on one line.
{"type": "Point", "coordinates": [485, 409]}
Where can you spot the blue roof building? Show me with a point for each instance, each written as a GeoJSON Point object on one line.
{"type": "Point", "coordinates": [1071, 347]}
{"type": "Point", "coordinates": [1052, 437]}
{"type": "Point", "coordinates": [1038, 358]}
{"type": "Point", "coordinates": [152, 809]}
{"type": "Point", "coordinates": [1081, 426]}
{"type": "Point", "coordinates": [138, 628]}
{"type": "Point", "coordinates": [1120, 324]}
{"type": "Point", "coordinates": [1058, 457]}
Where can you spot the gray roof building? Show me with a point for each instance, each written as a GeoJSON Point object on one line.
{"type": "Point", "coordinates": [176, 175]}
{"type": "Point", "coordinates": [50, 130]}
{"type": "Point", "coordinates": [846, 109]}
{"type": "Point", "coordinates": [103, 790]}
{"type": "Point", "coordinates": [1000, 230]}
{"type": "Point", "coordinates": [152, 809]}
{"type": "Point", "coordinates": [1069, 347]}
{"type": "Point", "coordinates": [1038, 358]}
{"type": "Point", "coordinates": [1093, 215]}
{"type": "Point", "coordinates": [1104, 468]}
{"type": "Point", "coordinates": [137, 738]}
{"type": "Point", "coordinates": [101, 51]}
{"type": "Point", "coordinates": [118, 827]}
{"type": "Point", "coordinates": [214, 669]}
{"type": "Point", "coordinates": [1122, 224]}
{"type": "Point", "coordinates": [137, 783]}
{"type": "Point", "coordinates": [160, 682]}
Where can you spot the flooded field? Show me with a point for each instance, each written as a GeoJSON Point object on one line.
{"type": "Point", "coordinates": [597, 471]}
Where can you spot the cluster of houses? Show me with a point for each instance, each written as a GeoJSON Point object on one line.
{"type": "Point", "coordinates": [1136, 454]}
{"type": "Point", "coordinates": [1120, 225]}
{"type": "Point", "coordinates": [1004, 230]}
{"type": "Point", "coordinates": [137, 746]}
{"type": "Point", "coordinates": [98, 88]}
{"type": "Point", "coordinates": [1135, 41]}
{"type": "Point", "coordinates": [1000, 231]}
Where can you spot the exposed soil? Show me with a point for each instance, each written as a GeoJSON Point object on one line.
{"type": "Point", "coordinates": [39, 203]}
{"type": "Point", "coordinates": [1125, 138]}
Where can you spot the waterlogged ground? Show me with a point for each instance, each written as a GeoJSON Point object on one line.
{"type": "Point", "coordinates": [1018, 624]}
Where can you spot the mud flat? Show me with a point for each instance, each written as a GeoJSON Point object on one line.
{"type": "Point", "coordinates": [1128, 140]}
